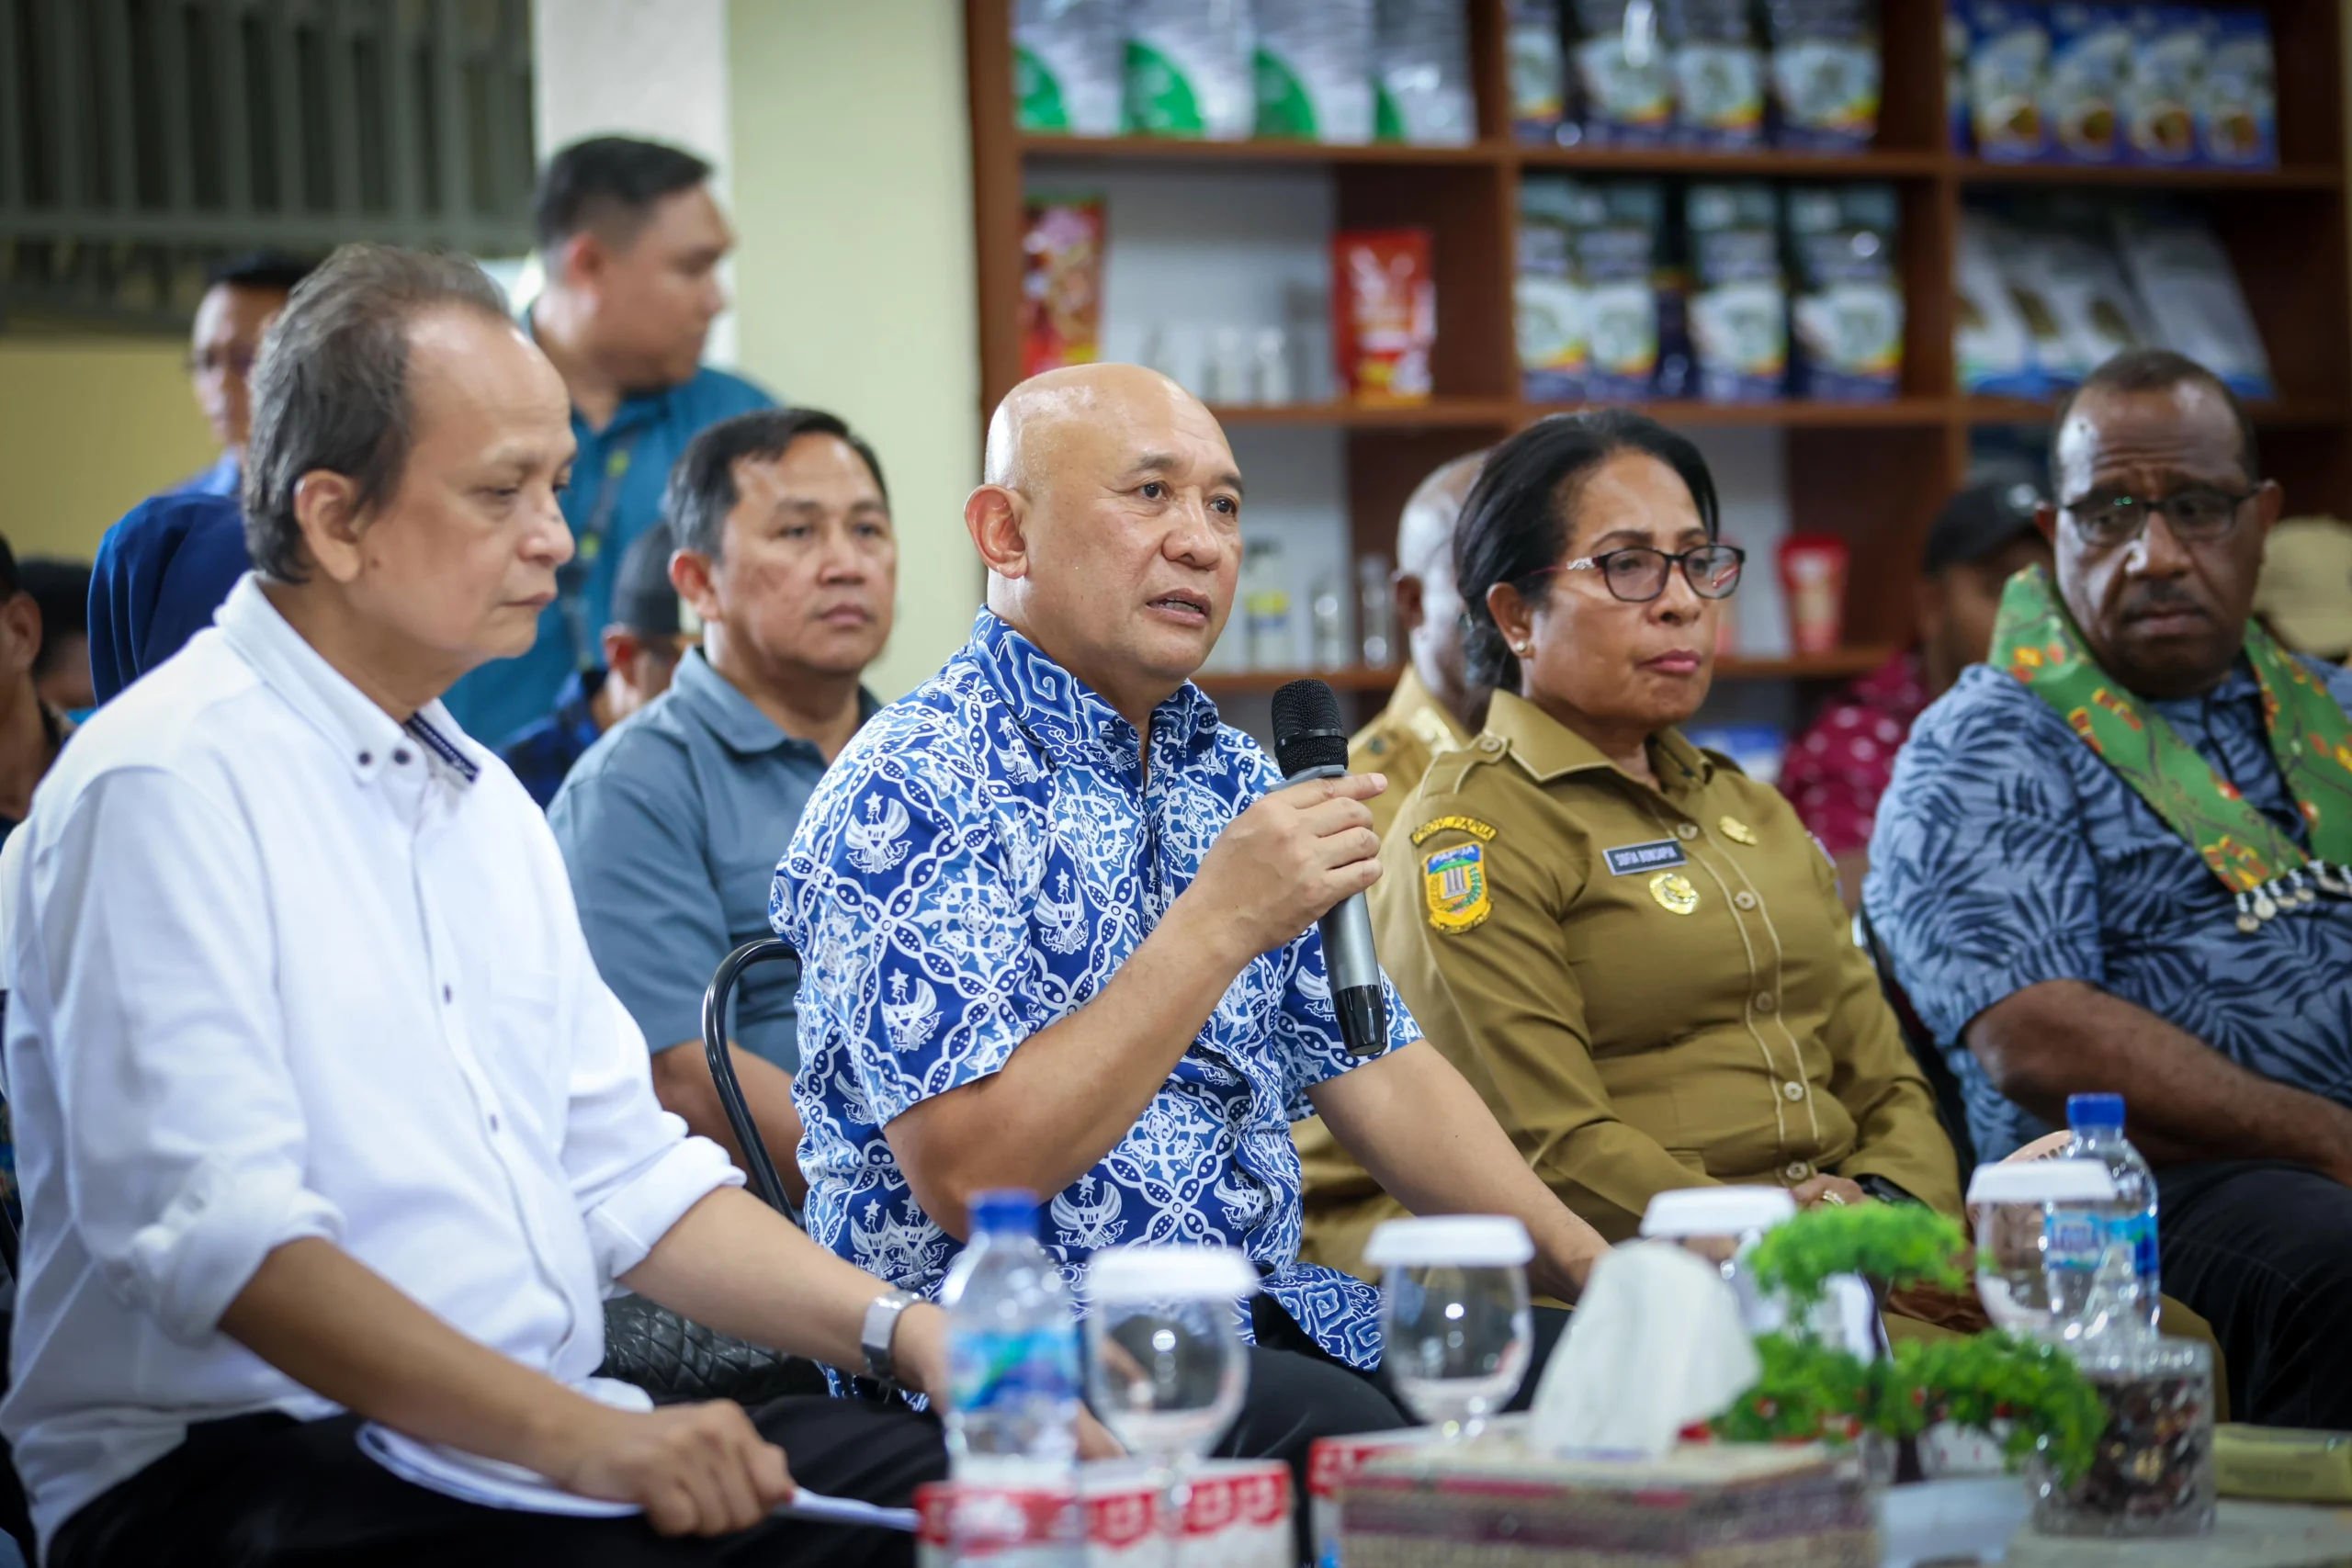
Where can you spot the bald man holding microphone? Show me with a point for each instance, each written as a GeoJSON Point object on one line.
{"type": "Point", "coordinates": [1057, 925]}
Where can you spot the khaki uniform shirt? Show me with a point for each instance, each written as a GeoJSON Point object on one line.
{"type": "Point", "coordinates": [1411, 730]}
{"type": "Point", "coordinates": [1649, 989]}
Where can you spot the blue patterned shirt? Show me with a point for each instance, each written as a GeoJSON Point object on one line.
{"type": "Point", "coordinates": [977, 865]}
{"type": "Point", "coordinates": [2007, 853]}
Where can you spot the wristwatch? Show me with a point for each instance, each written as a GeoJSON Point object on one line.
{"type": "Point", "coordinates": [881, 1322]}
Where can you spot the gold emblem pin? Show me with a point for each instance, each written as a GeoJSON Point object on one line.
{"type": "Point", "coordinates": [1674, 892]}
{"type": "Point", "coordinates": [1737, 832]}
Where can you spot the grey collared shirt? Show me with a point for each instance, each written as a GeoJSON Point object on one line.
{"type": "Point", "coordinates": [672, 826]}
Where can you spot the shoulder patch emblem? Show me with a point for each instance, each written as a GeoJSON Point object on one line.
{"type": "Point", "coordinates": [1469, 825]}
{"type": "Point", "coordinates": [1454, 882]}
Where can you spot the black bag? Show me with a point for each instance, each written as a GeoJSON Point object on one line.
{"type": "Point", "coordinates": [675, 1359]}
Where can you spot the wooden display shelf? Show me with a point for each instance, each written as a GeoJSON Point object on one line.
{"type": "Point", "coordinates": [1874, 475]}
{"type": "Point", "coordinates": [1843, 664]}
{"type": "Point", "coordinates": [2141, 176]}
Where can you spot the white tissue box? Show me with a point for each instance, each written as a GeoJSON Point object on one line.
{"type": "Point", "coordinates": [1713, 1506]}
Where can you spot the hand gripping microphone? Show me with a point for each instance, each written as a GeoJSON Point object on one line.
{"type": "Point", "coordinates": [1310, 744]}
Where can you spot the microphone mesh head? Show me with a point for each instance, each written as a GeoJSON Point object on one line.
{"type": "Point", "coordinates": [1307, 732]}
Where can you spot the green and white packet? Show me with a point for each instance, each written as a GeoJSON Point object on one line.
{"type": "Point", "coordinates": [1189, 69]}
{"type": "Point", "coordinates": [1315, 70]}
{"type": "Point", "coordinates": [1068, 65]}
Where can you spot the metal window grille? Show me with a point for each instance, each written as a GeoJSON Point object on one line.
{"type": "Point", "coordinates": [141, 138]}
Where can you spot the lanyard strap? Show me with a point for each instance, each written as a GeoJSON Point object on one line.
{"type": "Point", "coordinates": [588, 549]}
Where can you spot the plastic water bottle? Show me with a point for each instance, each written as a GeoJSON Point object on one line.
{"type": "Point", "coordinates": [2127, 1227]}
{"type": "Point", "coordinates": [1013, 1392]}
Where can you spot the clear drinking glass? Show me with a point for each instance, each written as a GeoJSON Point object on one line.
{"type": "Point", "coordinates": [1455, 1329]}
{"type": "Point", "coordinates": [1166, 1366]}
{"type": "Point", "coordinates": [1719, 1225]}
{"type": "Point", "coordinates": [2025, 1218]}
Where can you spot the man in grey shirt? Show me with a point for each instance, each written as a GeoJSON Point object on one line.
{"type": "Point", "coordinates": [672, 823]}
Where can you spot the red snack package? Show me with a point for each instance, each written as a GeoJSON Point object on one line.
{"type": "Point", "coordinates": [1383, 313]}
{"type": "Point", "coordinates": [1813, 576]}
{"type": "Point", "coordinates": [1061, 285]}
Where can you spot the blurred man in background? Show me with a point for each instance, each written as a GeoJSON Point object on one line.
{"type": "Point", "coordinates": [1836, 773]}
{"type": "Point", "coordinates": [641, 643]}
{"type": "Point", "coordinates": [1435, 708]}
{"type": "Point", "coordinates": [240, 299]}
{"type": "Point", "coordinates": [672, 826]}
{"type": "Point", "coordinates": [631, 242]}
{"type": "Point", "coordinates": [32, 731]}
{"type": "Point", "coordinates": [62, 589]}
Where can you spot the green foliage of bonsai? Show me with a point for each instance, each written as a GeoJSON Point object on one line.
{"type": "Point", "coordinates": [1813, 1390]}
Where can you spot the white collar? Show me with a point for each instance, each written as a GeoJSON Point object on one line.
{"type": "Point", "coordinates": [346, 715]}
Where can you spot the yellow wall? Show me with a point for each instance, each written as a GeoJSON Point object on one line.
{"type": "Point", "coordinates": [852, 175]}
{"type": "Point", "coordinates": [87, 428]}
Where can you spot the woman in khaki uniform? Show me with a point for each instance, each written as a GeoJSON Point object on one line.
{"type": "Point", "coordinates": [1633, 950]}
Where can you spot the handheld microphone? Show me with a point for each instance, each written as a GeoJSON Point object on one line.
{"type": "Point", "coordinates": [1310, 744]}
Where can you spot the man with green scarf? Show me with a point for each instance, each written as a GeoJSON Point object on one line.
{"type": "Point", "coordinates": [2113, 859]}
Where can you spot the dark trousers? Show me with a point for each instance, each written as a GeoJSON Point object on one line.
{"type": "Point", "coordinates": [268, 1490]}
{"type": "Point", "coordinates": [2263, 1251]}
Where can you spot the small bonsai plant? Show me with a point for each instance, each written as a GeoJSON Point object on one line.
{"type": "Point", "coordinates": [1811, 1389]}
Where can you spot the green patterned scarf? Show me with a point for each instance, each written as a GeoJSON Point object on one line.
{"type": "Point", "coordinates": [2035, 640]}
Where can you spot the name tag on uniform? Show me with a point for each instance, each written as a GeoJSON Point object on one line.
{"type": "Point", "coordinates": [1629, 859]}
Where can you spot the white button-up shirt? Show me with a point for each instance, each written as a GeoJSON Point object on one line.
{"type": "Point", "coordinates": [283, 967]}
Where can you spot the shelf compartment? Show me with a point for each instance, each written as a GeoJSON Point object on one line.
{"type": "Point", "coordinates": [1757, 164]}
{"type": "Point", "coordinates": [1795, 414]}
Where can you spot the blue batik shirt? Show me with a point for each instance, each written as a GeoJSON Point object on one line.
{"type": "Point", "coordinates": [977, 865]}
{"type": "Point", "coordinates": [2007, 853]}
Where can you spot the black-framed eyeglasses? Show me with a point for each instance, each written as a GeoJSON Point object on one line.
{"type": "Point", "coordinates": [2198, 515]}
{"type": "Point", "coordinates": [1638, 574]}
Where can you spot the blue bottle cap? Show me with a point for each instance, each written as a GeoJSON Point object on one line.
{"type": "Point", "coordinates": [2101, 1111]}
{"type": "Point", "coordinates": [1004, 1209]}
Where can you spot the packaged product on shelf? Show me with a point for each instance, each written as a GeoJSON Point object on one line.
{"type": "Point", "coordinates": [1847, 320]}
{"type": "Point", "coordinates": [2193, 302]}
{"type": "Point", "coordinates": [1616, 260]}
{"type": "Point", "coordinates": [1825, 72]}
{"type": "Point", "coordinates": [2090, 64]}
{"type": "Point", "coordinates": [1069, 60]}
{"type": "Point", "coordinates": [1061, 283]}
{"type": "Point", "coordinates": [1539, 83]}
{"type": "Point", "coordinates": [2008, 60]}
{"type": "Point", "coordinates": [1956, 77]}
{"type": "Point", "coordinates": [1993, 348]}
{"type": "Point", "coordinates": [1421, 74]}
{"type": "Point", "coordinates": [1758, 748]}
{"type": "Point", "coordinates": [1812, 583]}
{"type": "Point", "coordinates": [1718, 73]}
{"type": "Point", "coordinates": [1383, 313]}
{"type": "Point", "coordinates": [2166, 83]}
{"type": "Point", "coordinates": [1189, 69]}
{"type": "Point", "coordinates": [1549, 301]}
{"type": "Point", "coordinates": [1268, 627]}
{"type": "Point", "coordinates": [1740, 310]}
{"type": "Point", "coordinates": [1314, 70]}
{"type": "Point", "coordinates": [2062, 268]}
{"type": "Point", "coordinates": [1624, 83]}
{"type": "Point", "coordinates": [2238, 125]}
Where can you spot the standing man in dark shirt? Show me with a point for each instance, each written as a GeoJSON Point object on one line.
{"type": "Point", "coordinates": [642, 645]}
{"type": "Point", "coordinates": [631, 242]}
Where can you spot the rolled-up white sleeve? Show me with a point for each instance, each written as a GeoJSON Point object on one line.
{"type": "Point", "coordinates": [635, 1170]}
{"type": "Point", "coordinates": [183, 1137]}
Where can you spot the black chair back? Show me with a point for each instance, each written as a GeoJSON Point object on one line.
{"type": "Point", "coordinates": [764, 1182]}
{"type": "Point", "coordinates": [1951, 1104]}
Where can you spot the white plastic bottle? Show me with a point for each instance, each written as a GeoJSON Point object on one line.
{"type": "Point", "coordinates": [1013, 1391]}
{"type": "Point", "coordinates": [2129, 1226]}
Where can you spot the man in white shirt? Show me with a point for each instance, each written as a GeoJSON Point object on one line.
{"type": "Point", "coordinates": [323, 1116]}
